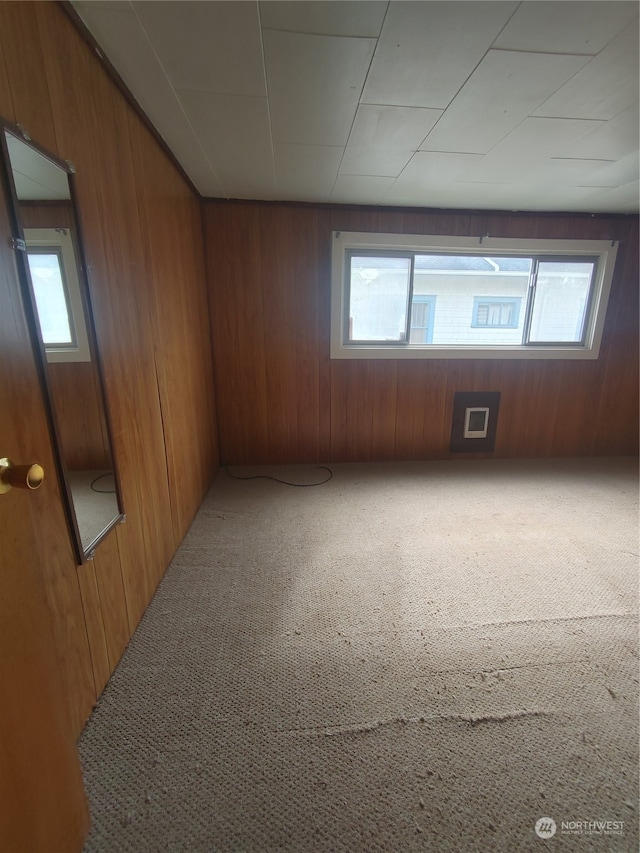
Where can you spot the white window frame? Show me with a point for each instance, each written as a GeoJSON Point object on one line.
{"type": "Point", "coordinates": [60, 241]}
{"type": "Point", "coordinates": [342, 241]}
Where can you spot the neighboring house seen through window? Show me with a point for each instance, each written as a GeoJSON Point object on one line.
{"type": "Point", "coordinates": [496, 312]}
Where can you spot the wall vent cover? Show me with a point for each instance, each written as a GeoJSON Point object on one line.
{"type": "Point", "coordinates": [474, 422]}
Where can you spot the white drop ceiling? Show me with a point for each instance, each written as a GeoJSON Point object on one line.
{"type": "Point", "coordinates": [482, 105]}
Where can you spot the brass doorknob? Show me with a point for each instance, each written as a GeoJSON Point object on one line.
{"type": "Point", "coordinates": [19, 476]}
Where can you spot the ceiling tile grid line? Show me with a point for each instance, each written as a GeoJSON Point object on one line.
{"type": "Point", "coordinates": [122, 38]}
{"type": "Point", "coordinates": [355, 115]}
{"type": "Point", "coordinates": [172, 89]}
{"type": "Point", "coordinates": [266, 83]}
{"type": "Point", "coordinates": [365, 156]}
{"type": "Point", "coordinates": [446, 104]}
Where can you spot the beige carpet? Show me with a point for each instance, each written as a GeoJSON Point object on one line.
{"type": "Point", "coordinates": [420, 657]}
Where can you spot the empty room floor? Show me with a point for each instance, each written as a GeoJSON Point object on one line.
{"type": "Point", "coordinates": [416, 656]}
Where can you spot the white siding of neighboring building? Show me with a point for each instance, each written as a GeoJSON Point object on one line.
{"type": "Point", "coordinates": [455, 292]}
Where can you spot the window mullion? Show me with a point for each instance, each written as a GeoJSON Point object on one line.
{"type": "Point", "coordinates": [531, 295]}
{"type": "Point", "coordinates": [407, 330]}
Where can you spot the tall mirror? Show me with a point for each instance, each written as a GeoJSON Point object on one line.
{"type": "Point", "coordinates": [50, 258]}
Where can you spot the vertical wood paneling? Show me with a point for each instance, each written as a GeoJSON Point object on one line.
{"type": "Point", "coordinates": [432, 424]}
{"type": "Point", "coordinates": [57, 214]}
{"type": "Point", "coordinates": [308, 358]}
{"type": "Point", "coordinates": [384, 410]}
{"type": "Point", "coordinates": [95, 625]}
{"type": "Point", "coordinates": [277, 277]}
{"type": "Point", "coordinates": [238, 332]}
{"type": "Point", "coordinates": [179, 318]}
{"type": "Point", "coordinates": [409, 412]}
{"type": "Point", "coordinates": [26, 71]}
{"type": "Point", "coordinates": [338, 451]}
{"type": "Point", "coordinates": [360, 409]}
{"type": "Point", "coordinates": [528, 389]}
{"type": "Point", "coordinates": [398, 409]}
{"type": "Point", "coordinates": [615, 423]}
{"type": "Point", "coordinates": [113, 609]}
{"type": "Point", "coordinates": [81, 426]}
{"type": "Point", "coordinates": [6, 100]}
{"type": "Point", "coordinates": [142, 230]}
{"type": "Point", "coordinates": [322, 258]}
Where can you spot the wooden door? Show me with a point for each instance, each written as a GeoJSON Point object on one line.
{"type": "Point", "coordinates": [42, 801]}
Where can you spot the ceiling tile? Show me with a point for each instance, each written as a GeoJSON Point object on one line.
{"type": "Point", "coordinates": [205, 46]}
{"type": "Point", "coordinates": [453, 194]}
{"type": "Point", "coordinates": [603, 88]}
{"type": "Point", "coordinates": [582, 199]}
{"type": "Point", "coordinates": [336, 18]}
{"type": "Point", "coordinates": [566, 172]}
{"type": "Point", "coordinates": [392, 127]}
{"type": "Point", "coordinates": [622, 199]}
{"type": "Point", "coordinates": [427, 50]}
{"type": "Point", "coordinates": [427, 172]}
{"type": "Point", "coordinates": [609, 140]}
{"type": "Point", "coordinates": [565, 27]}
{"type": "Point", "coordinates": [314, 85]}
{"type": "Point", "coordinates": [532, 142]}
{"type": "Point", "coordinates": [117, 29]}
{"type": "Point", "coordinates": [189, 152]}
{"type": "Point", "coordinates": [494, 196]}
{"type": "Point", "coordinates": [624, 171]}
{"type": "Point", "coordinates": [360, 189]}
{"type": "Point", "coordinates": [383, 139]}
{"type": "Point", "coordinates": [35, 176]}
{"type": "Point", "coordinates": [306, 172]}
{"type": "Point", "coordinates": [502, 91]}
{"type": "Point", "coordinates": [235, 132]}
{"type": "Point", "coordinates": [372, 161]}
{"type": "Point", "coordinates": [427, 54]}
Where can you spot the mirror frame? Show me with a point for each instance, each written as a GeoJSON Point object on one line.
{"type": "Point", "coordinates": [82, 553]}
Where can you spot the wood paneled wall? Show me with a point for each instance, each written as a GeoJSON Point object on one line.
{"type": "Point", "coordinates": [281, 399]}
{"type": "Point", "coordinates": [143, 241]}
{"type": "Point", "coordinates": [82, 429]}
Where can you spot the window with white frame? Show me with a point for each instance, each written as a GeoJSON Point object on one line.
{"type": "Point", "coordinates": [407, 296]}
{"type": "Point", "coordinates": [56, 288]}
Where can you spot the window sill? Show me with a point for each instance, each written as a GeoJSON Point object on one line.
{"type": "Point", "coordinates": [367, 351]}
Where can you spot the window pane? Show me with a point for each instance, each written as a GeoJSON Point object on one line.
{"type": "Point", "coordinates": [379, 298]}
{"type": "Point", "coordinates": [481, 300]}
{"type": "Point", "coordinates": [560, 301]}
{"type": "Point", "coordinates": [51, 302]}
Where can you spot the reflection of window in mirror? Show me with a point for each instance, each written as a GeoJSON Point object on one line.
{"type": "Point", "coordinates": [58, 303]}
{"type": "Point", "coordinates": [56, 287]}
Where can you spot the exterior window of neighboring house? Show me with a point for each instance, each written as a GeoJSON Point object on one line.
{"type": "Point", "coordinates": [56, 288]}
{"type": "Point", "coordinates": [496, 312]}
{"type": "Point", "coordinates": [525, 298]}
